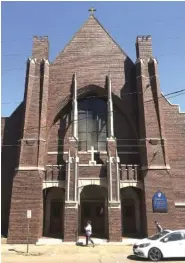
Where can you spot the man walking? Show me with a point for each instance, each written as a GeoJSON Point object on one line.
{"type": "Point", "coordinates": [88, 233]}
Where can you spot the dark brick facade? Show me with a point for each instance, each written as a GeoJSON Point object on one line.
{"type": "Point", "coordinates": [38, 147]}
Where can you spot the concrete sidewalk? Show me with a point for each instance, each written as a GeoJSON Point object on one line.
{"type": "Point", "coordinates": [63, 249]}
{"type": "Point", "coordinates": [65, 253]}
{"type": "Point", "coordinates": [81, 240]}
{"type": "Point", "coordinates": [70, 254]}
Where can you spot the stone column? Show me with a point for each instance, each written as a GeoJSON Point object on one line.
{"type": "Point", "coordinates": [75, 108]}
{"type": "Point", "coordinates": [113, 175]}
{"type": "Point", "coordinates": [110, 109]}
{"type": "Point", "coordinates": [71, 197]}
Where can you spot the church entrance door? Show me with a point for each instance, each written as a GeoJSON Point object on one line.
{"type": "Point", "coordinates": [131, 212]}
{"type": "Point", "coordinates": [56, 223]}
{"type": "Point", "coordinates": [93, 207]}
{"type": "Point", "coordinates": [95, 212]}
{"type": "Point", "coordinates": [54, 200]}
{"type": "Point", "coordinates": [129, 217]}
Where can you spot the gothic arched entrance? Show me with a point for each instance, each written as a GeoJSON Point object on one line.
{"type": "Point", "coordinates": [130, 211]}
{"type": "Point", "coordinates": [93, 207]}
{"type": "Point", "coordinates": [54, 199]}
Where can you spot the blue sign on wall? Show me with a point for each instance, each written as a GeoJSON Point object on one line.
{"type": "Point", "coordinates": [159, 203]}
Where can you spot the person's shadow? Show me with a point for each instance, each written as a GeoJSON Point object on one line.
{"type": "Point", "coordinates": [80, 243]}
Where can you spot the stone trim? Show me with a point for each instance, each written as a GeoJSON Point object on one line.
{"type": "Point", "coordinates": [32, 139]}
{"type": "Point", "coordinates": [57, 153]}
{"type": "Point", "coordinates": [47, 184]}
{"type": "Point", "coordinates": [71, 204]}
{"type": "Point", "coordinates": [180, 204]}
{"type": "Point", "coordinates": [96, 151]}
{"type": "Point", "coordinates": [92, 181]}
{"type": "Point", "coordinates": [90, 165]}
{"type": "Point", "coordinates": [111, 139]}
{"type": "Point", "coordinates": [156, 167]}
{"type": "Point", "coordinates": [137, 184]}
{"type": "Point", "coordinates": [153, 138]}
{"type": "Point", "coordinates": [114, 204]}
{"type": "Point", "coordinates": [30, 168]}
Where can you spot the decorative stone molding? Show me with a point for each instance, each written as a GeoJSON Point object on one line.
{"type": "Point", "coordinates": [138, 184]}
{"type": "Point", "coordinates": [48, 184]}
{"type": "Point", "coordinates": [71, 204]}
{"type": "Point", "coordinates": [114, 204]}
{"type": "Point", "coordinates": [156, 167]}
{"type": "Point", "coordinates": [149, 139]}
{"type": "Point", "coordinates": [139, 60]}
{"type": "Point", "coordinates": [93, 181]}
{"type": "Point", "coordinates": [151, 60]}
{"type": "Point", "coordinates": [30, 168]}
{"type": "Point", "coordinates": [87, 165]}
{"type": "Point", "coordinates": [180, 204]}
{"type": "Point", "coordinates": [53, 153]}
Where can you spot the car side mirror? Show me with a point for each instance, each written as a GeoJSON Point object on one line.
{"type": "Point", "coordinates": [165, 239]}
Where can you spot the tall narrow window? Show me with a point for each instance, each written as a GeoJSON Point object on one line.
{"type": "Point", "coordinates": [92, 124]}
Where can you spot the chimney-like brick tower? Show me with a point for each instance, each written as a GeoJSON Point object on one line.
{"type": "Point", "coordinates": [40, 49]}
{"type": "Point", "coordinates": [28, 180]}
{"type": "Point", "coordinates": [153, 145]}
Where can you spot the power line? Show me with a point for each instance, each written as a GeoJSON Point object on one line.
{"type": "Point", "coordinates": [172, 94]}
{"type": "Point", "coordinates": [115, 26]}
{"type": "Point", "coordinates": [125, 94]}
{"type": "Point", "coordinates": [118, 145]}
{"type": "Point", "coordinates": [160, 54]}
{"type": "Point", "coordinates": [7, 70]}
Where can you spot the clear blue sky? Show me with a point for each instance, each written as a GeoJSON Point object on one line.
{"type": "Point", "coordinates": [165, 21]}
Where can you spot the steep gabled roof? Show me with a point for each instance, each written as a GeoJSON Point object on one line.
{"type": "Point", "coordinates": [92, 27]}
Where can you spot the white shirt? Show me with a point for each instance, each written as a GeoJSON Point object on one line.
{"type": "Point", "coordinates": [159, 227]}
{"type": "Point", "coordinates": [88, 229]}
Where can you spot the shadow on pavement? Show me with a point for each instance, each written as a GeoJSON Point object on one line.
{"type": "Point", "coordinates": [25, 253]}
{"type": "Point", "coordinates": [135, 258]}
{"type": "Point", "coordinates": [81, 244]}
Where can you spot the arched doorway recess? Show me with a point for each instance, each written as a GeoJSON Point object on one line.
{"type": "Point", "coordinates": [54, 199]}
{"type": "Point", "coordinates": [93, 207]}
{"type": "Point", "coordinates": [131, 211]}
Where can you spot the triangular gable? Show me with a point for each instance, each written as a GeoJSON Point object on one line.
{"type": "Point", "coordinates": [91, 31]}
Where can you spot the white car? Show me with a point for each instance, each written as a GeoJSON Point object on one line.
{"type": "Point", "coordinates": [166, 244]}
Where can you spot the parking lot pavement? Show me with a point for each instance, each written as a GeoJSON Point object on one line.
{"type": "Point", "coordinates": [70, 254]}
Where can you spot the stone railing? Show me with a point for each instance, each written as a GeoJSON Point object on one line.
{"type": "Point", "coordinates": [55, 173]}
{"type": "Point", "coordinates": [129, 172]}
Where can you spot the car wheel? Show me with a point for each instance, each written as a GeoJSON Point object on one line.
{"type": "Point", "coordinates": [154, 254]}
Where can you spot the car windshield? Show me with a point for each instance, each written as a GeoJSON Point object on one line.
{"type": "Point", "coordinates": [158, 235]}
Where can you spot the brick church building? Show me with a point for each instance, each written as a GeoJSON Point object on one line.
{"type": "Point", "coordinates": [95, 139]}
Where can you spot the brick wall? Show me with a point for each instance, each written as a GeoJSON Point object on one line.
{"type": "Point", "coordinates": [26, 195]}
{"type": "Point", "coordinates": [175, 135]}
{"type": "Point", "coordinates": [115, 229]}
{"type": "Point", "coordinates": [159, 181]}
{"type": "Point", "coordinates": [70, 224]}
{"type": "Point", "coordinates": [9, 160]}
{"type": "Point", "coordinates": [92, 172]}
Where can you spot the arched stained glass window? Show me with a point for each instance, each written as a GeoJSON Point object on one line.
{"type": "Point", "coordinates": [92, 124]}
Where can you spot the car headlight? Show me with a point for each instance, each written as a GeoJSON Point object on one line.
{"type": "Point", "coordinates": [144, 245]}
